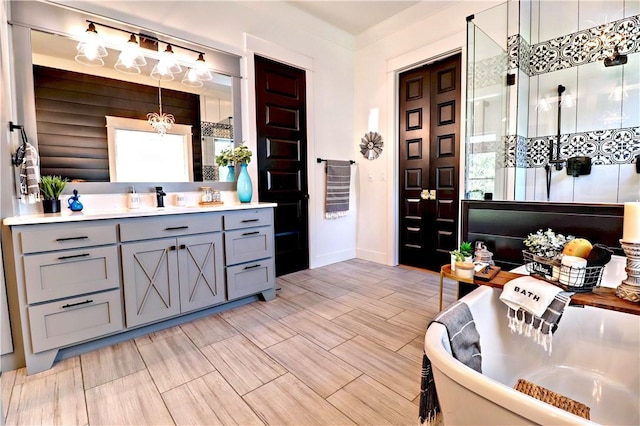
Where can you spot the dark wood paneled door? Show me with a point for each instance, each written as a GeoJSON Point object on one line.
{"type": "Point", "coordinates": [281, 121]}
{"type": "Point", "coordinates": [429, 138]}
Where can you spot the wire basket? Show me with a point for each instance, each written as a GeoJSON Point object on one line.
{"type": "Point", "coordinates": [578, 280]}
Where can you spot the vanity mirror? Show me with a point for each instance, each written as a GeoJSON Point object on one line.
{"type": "Point", "coordinates": [71, 128]}
{"type": "Point", "coordinates": [74, 102]}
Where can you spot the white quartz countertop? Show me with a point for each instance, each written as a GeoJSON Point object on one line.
{"type": "Point", "coordinates": [67, 215]}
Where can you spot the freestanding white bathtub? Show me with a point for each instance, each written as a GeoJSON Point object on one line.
{"type": "Point", "coordinates": [595, 360]}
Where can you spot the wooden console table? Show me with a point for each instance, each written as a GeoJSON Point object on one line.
{"type": "Point", "coordinates": [600, 297]}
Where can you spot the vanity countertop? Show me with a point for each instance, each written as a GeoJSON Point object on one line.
{"type": "Point", "coordinates": [96, 214]}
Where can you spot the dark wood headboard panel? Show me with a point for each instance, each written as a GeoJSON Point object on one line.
{"type": "Point", "coordinates": [503, 225]}
{"type": "Point", "coordinates": [70, 115]}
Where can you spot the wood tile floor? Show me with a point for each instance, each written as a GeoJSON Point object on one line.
{"type": "Point", "coordinates": [341, 344]}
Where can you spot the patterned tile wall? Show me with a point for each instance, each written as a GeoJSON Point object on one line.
{"type": "Point", "coordinates": [609, 146]}
{"type": "Point", "coordinates": [216, 130]}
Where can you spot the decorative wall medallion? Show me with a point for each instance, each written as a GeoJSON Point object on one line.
{"type": "Point", "coordinates": [371, 145]}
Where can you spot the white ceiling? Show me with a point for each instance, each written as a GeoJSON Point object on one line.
{"type": "Point", "coordinates": [353, 17]}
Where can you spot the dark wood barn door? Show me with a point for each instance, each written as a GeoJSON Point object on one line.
{"type": "Point", "coordinates": [429, 138]}
{"type": "Point", "coordinates": [281, 122]}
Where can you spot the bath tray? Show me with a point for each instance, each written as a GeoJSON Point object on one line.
{"type": "Point", "coordinates": [488, 276]}
{"type": "Point", "coordinates": [553, 398]}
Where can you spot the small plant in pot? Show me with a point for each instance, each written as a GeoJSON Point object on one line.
{"type": "Point", "coordinates": [464, 254]}
{"type": "Point", "coordinates": [51, 187]}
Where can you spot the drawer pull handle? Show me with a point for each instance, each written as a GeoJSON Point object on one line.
{"type": "Point", "coordinates": [250, 220]}
{"type": "Point", "coordinates": [250, 233]}
{"type": "Point", "coordinates": [176, 228]}
{"type": "Point", "coordinates": [182, 246]}
{"type": "Point", "coordinates": [71, 238]}
{"type": "Point", "coordinates": [252, 266]}
{"type": "Point", "coordinates": [69, 305]}
{"type": "Point", "coordinates": [172, 248]}
{"type": "Point", "coordinates": [74, 256]}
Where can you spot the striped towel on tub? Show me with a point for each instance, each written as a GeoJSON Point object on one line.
{"type": "Point", "coordinates": [337, 189]}
{"type": "Point", "coordinates": [465, 347]}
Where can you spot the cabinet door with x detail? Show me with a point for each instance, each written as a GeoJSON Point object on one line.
{"type": "Point", "coordinates": [201, 271]}
{"type": "Point", "coordinates": [150, 275]}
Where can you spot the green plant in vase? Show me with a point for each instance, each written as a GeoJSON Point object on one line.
{"type": "Point", "coordinates": [225, 159]}
{"type": "Point", "coordinates": [51, 187]}
{"type": "Point", "coordinates": [242, 156]}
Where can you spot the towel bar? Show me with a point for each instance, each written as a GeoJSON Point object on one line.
{"type": "Point", "coordinates": [320, 160]}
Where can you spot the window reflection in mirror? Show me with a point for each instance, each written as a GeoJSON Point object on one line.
{"type": "Point", "coordinates": [137, 154]}
{"type": "Point", "coordinates": [216, 103]}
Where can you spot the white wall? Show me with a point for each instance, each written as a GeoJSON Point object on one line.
{"type": "Point", "coordinates": [376, 67]}
{"type": "Point", "coordinates": [287, 33]}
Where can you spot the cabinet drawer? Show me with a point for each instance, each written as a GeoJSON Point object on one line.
{"type": "Point", "coordinates": [59, 237]}
{"type": "Point", "coordinates": [250, 278]}
{"type": "Point", "coordinates": [70, 321]}
{"type": "Point", "coordinates": [169, 226]}
{"type": "Point", "coordinates": [68, 273]}
{"type": "Point", "coordinates": [248, 218]}
{"type": "Point", "coordinates": [245, 245]}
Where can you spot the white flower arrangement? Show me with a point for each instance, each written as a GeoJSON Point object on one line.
{"type": "Point", "coordinates": [547, 243]}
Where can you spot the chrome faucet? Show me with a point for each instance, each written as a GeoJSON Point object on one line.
{"type": "Point", "coordinates": [159, 196]}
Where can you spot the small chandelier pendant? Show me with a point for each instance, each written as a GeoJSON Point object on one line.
{"type": "Point", "coordinates": [158, 120]}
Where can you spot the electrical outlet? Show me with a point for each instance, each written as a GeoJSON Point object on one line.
{"type": "Point", "coordinates": [383, 176]}
{"type": "Point", "coordinates": [370, 176]}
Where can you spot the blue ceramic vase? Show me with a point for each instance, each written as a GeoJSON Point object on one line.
{"type": "Point", "coordinates": [231, 174]}
{"type": "Point", "coordinates": [244, 186]}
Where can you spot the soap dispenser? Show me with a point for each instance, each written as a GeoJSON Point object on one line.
{"type": "Point", "coordinates": [134, 198]}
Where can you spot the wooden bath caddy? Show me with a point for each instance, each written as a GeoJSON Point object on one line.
{"type": "Point", "coordinates": [211, 203]}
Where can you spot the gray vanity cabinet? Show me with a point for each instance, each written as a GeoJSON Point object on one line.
{"type": "Point", "coordinates": [72, 283]}
{"type": "Point", "coordinates": [249, 252]}
{"type": "Point", "coordinates": [164, 277]}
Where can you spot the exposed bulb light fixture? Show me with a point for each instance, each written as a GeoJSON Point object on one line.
{"type": "Point", "coordinates": [166, 66]}
{"type": "Point", "coordinates": [191, 78]}
{"type": "Point", "coordinates": [90, 49]}
{"type": "Point", "coordinates": [615, 59]}
{"type": "Point", "coordinates": [158, 120]}
{"type": "Point", "coordinates": [131, 58]}
{"type": "Point", "coordinates": [202, 70]}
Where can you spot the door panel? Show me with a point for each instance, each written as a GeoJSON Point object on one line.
{"type": "Point", "coordinates": [429, 162]}
{"type": "Point", "coordinates": [282, 158]}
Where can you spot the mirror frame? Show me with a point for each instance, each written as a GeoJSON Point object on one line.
{"type": "Point", "coordinates": [64, 21]}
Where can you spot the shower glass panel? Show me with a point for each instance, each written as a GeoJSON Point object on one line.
{"type": "Point", "coordinates": [487, 100]}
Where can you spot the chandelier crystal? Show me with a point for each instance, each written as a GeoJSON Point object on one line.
{"type": "Point", "coordinates": [158, 120]}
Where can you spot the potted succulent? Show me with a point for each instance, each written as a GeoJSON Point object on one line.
{"type": "Point", "coordinates": [51, 187]}
{"type": "Point", "coordinates": [464, 254]}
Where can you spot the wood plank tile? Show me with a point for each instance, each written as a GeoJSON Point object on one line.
{"type": "Point", "coordinates": [158, 335]}
{"type": "Point", "coordinates": [308, 299]}
{"type": "Point", "coordinates": [242, 363]}
{"type": "Point", "coordinates": [129, 400]}
{"type": "Point", "coordinates": [55, 398]}
{"type": "Point", "coordinates": [413, 350]}
{"type": "Point", "coordinates": [174, 361]}
{"type": "Point", "coordinates": [288, 401]}
{"type": "Point", "coordinates": [208, 330]}
{"type": "Point", "coordinates": [238, 310]}
{"type": "Point", "coordinates": [110, 363]}
{"type": "Point", "coordinates": [409, 300]}
{"type": "Point", "coordinates": [323, 288]}
{"type": "Point", "coordinates": [369, 305]}
{"type": "Point", "coordinates": [329, 309]}
{"type": "Point", "coordinates": [58, 367]}
{"type": "Point", "coordinates": [7, 380]}
{"type": "Point", "coordinates": [414, 321]}
{"type": "Point", "coordinates": [375, 329]}
{"type": "Point", "coordinates": [320, 331]}
{"type": "Point", "coordinates": [287, 289]}
{"type": "Point", "coordinates": [208, 400]}
{"type": "Point", "coordinates": [260, 328]}
{"type": "Point", "coordinates": [278, 308]}
{"type": "Point", "coordinates": [317, 368]}
{"type": "Point", "coordinates": [367, 402]}
{"type": "Point", "coordinates": [393, 370]}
